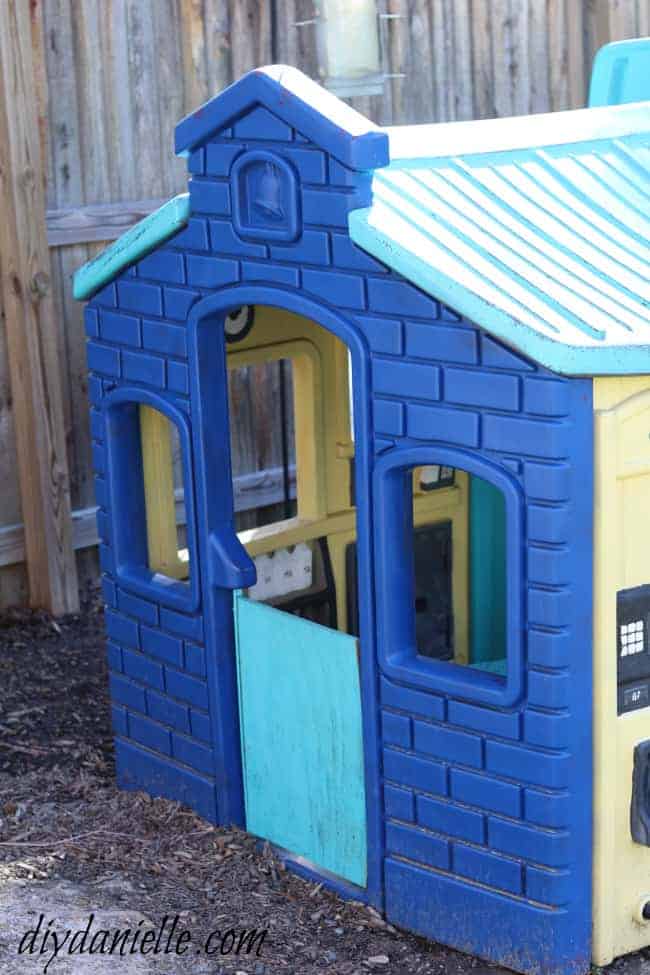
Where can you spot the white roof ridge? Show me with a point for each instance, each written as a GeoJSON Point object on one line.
{"type": "Point", "coordinates": [410, 143]}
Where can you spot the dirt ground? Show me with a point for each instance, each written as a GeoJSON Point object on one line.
{"type": "Point", "coordinates": [71, 842]}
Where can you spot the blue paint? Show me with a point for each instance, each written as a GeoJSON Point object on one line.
{"type": "Point", "coordinates": [125, 477]}
{"type": "Point", "coordinates": [265, 197]}
{"type": "Point", "coordinates": [299, 683]}
{"type": "Point", "coordinates": [335, 127]}
{"type": "Point", "coordinates": [477, 790]}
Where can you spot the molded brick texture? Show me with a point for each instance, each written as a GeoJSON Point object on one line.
{"type": "Point", "coordinates": [470, 791]}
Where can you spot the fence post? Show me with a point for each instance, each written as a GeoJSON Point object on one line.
{"type": "Point", "coordinates": [31, 324]}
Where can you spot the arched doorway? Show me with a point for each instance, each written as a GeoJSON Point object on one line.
{"type": "Point", "coordinates": [293, 688]}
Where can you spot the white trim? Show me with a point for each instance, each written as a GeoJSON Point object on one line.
{"type": "Point", "coordinates": [418, 143]}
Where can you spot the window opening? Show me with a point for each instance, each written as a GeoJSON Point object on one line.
{"type": "Point", "coordinates": [292, 463]}
{"type": "Point", "coordinates": [457, 561]}
{"type": "Point", "coordinates": [165, 514]}
{"type": "Point", "coordinates": [153, 532]}
{"type": "Point", "coordinates": [262, 442]}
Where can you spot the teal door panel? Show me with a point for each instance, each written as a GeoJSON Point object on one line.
{"type": "Point", "coordinates": [301, 738]}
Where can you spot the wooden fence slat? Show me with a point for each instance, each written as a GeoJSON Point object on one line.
{"type": "Point", "coordinates": [250, 35]}
{"type": "Point", "coordinates": [31, 327]}
{"type": "Point", "coordinates": [463, 87]}
{"type": "Point", "coordinates": [40, 84]}
{"type": "Point", "coordinates": [98, 222]}
{"type": "Point", "coordinates": [439, 55]}
{"type": "Point", "coordinates": [96, 161]}
{"type": "Point", "coordinates": [119, 103]}
{"type": "Point", "coordinates": [72, 168]}
{"type": "Point", "coordinates": [559, 82]}
{"type": "Point", "coordinates": [576, 72]}
{"type": "Point", "coordinates": [484, 98]}
{"type": "Point", "coordinates": [538, 57]}
{"type": "Point", "coordinates": [167, 48]}
{"type": "Point", "coordinates": [502, 57]}
{"type": "Point", "coordinates": [195, 85]}
{"type": "Point", "coordinates": [520, 66]}
{"type": "Point", "coordinates": [218, 46]}
{"type": "Point", "coordinates": [144, 80]}
{"type": "Point", "coordinates": [643, 18]}
{"type": "Point", "coordinates": [250, 492]}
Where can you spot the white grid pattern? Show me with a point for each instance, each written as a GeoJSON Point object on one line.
{"type": "Point", "coordinates": [632, 638]}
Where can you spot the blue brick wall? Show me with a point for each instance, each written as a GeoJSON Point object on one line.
{"type": "Point", "coordinates": [156, 655]}
{"type": "Point", "coordinates": [473, 792]}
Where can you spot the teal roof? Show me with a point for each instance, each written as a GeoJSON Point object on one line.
{"type": "Point", "coordinates": [138, 240]}
{"type": "Point", "coordinates": [535, 228]}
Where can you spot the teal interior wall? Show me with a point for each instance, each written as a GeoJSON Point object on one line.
{"type": "Point", "coordinates": [487, 540]}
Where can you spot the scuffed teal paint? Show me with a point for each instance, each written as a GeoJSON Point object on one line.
{"type": "Point", "coordinates": [301, 737]}
{"type": "Point", "coordinates": [499, 667]}
{"type": "Point", "coordinates": [487, 574]}
{"type": "Point", "coordinates": [535, 229]}
{"type": "Point", "coordinates": [139, 240]}
{"type": "Point", "coordinates": [621, 73]}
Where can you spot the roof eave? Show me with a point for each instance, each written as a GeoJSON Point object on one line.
{"type": "Point", "coordinates": [135, 243]}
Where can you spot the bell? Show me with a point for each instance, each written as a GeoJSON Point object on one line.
{"type": "Point", "coordinates": [268, 198]}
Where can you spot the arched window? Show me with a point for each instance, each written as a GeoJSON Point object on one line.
{"type": "Point", "coordinates": [151, 498]}
{"type": "Point", "coordinates": [450, 592]}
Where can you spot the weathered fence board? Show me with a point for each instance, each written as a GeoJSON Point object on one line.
{"type": "Point", "coordinates": [114, 76]}
{"type": "Point", "coordinates": [30, 323]}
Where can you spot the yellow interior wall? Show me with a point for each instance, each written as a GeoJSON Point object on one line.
{"type": "Point", "coordinates": [160, 503]}
{"type": "Point", "coordinates": [324, 448]}
{"type": "Point", "coordinates": [621, 561]}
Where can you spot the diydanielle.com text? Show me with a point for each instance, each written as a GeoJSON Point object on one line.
{"type": "Point", "coordinates": [167, 938]}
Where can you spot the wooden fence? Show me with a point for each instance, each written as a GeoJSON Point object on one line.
{"type": "Point", "coordinates": [111, 79]}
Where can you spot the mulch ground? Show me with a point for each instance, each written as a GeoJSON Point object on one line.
{"type": "Point", "coordinates": [62, 818]}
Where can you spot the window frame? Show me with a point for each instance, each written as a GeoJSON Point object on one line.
{"type": "Point", "coordinates": [396, 645]}
{"type": "Point", "coordinates": [306, 368]}
{"type": "Point", "coordinates": [127, 498]}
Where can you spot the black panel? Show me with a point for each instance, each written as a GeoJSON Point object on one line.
{"type": "Point", "coordinates": [633, 648]}
{"type": "Point", "coordinates": [352, 589]}
{"type": "Point", "coordinates": [434, 618]}
{"type": "Point", "coordinates": [640, 806]}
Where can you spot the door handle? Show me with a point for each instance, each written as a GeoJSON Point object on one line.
{"type": "Point", "coordinates": [231, 567]}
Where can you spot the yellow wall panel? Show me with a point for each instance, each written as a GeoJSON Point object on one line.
{"type": "Point", "coordinates": [621, 561]}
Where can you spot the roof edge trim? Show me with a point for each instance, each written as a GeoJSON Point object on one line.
{"type": "Point", "coordinates": [135, 243]}
{"type": "Point", "coordinates": [433, 141]}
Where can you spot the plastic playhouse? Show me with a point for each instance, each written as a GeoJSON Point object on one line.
{"type": "Point", "coordinates": [395, 685]}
